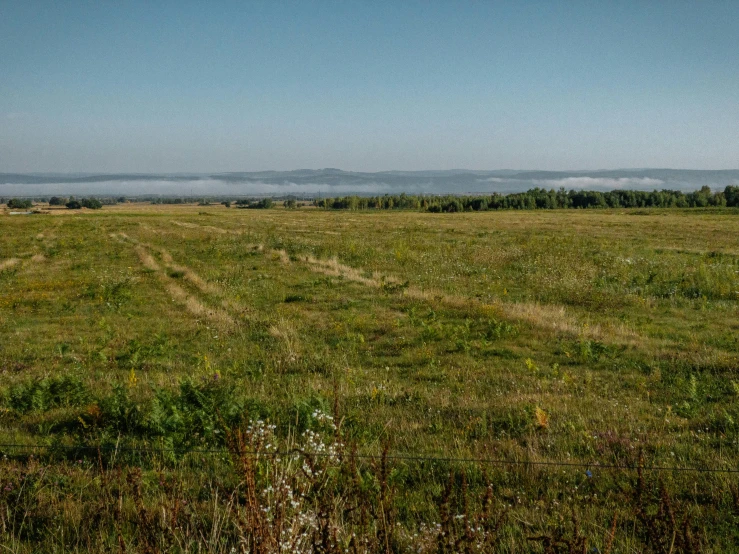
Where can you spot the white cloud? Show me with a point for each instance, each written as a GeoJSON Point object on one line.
{"type": "Point", "coordinates": [600, 183]}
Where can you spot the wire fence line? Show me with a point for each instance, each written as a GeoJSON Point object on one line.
{"type": "Point", "coordinates": [394, 457]}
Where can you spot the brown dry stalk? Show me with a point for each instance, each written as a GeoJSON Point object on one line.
{"type": "Point", "coordinates": [611, 534]}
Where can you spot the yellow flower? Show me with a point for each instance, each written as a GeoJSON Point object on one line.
{"type": "Point", "coordinates": [542, 419]}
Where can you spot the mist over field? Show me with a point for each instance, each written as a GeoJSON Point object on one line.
{"type": "Point", "coordinates": [331, 182]}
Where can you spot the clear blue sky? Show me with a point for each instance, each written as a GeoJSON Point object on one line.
{"type": "Point", "coordinates": [221, 86]}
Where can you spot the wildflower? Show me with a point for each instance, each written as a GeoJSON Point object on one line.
{"type": "Point", "coordinates": [542, 418]}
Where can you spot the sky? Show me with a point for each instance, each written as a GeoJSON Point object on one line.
{"type": "Point", "coordinates": [367, 86]}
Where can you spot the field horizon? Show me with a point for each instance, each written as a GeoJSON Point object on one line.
{"type": "Point", "coordinates": [509, 381]}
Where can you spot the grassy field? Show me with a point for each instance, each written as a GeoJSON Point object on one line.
{"type": "Point", "coordinates": [601, 338]}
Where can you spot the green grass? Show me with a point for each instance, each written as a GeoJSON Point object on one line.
{"type": "Point", "coordinates": [601, 337]}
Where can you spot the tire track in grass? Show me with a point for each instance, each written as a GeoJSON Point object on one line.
{"type": "Point", "coordinates": [218, 230]}
{"type": "Point", "coordinates": [202, 285]}
{"type": "Point", "coordinates": [190, 302]}
{"type": "Point", "coordinates": [549, 317]}
{"type": "Point", "coordinates": [188, 274]}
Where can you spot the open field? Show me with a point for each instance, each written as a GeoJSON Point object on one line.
{"type": "Point", "coordinates": [604, 337]}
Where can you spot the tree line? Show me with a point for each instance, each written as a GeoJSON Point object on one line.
{"type": "Point", "coordinates": [72, 203]}
{"type": "Point", "coordinates": [538, 199]}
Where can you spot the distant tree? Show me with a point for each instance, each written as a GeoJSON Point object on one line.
{"type": "Point", "coordinates": [732, 196]}
{"type": "Point", "coordinates": [700, 198]}
{"type": "Point", "coordinates": [19, 204]}
{"type": "Point", "coordinates": [291, 203]}
{"type": "Point", "coordinates": [73, 203]}
{"type": "Point", "coordinates": [57, 201]}
{"type": "Point", "coordinates": [226, 203]}
{"type": "Point", "coordinates": [91, 203]}
{"type": "Point", "coordinates": [121, 199]}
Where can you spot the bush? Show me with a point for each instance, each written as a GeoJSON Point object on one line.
{"type": "Point", "coordinates": [732, 196]}
{"type": "Point", "coordinates": [264, 203]}
{"type": "Point", "coordinates": [89, 203]}
{"type": "Point", "coordinates": [57, 201]}
{"type": "Point", "coordinates": [19, 204]}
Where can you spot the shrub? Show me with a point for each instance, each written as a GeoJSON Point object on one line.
{"type": "Point", "coordinates": [19, 204]}
{"type": "Point", "coordinates": [91, 203]}
{"type": "Point", "coordinates": [264, 203]}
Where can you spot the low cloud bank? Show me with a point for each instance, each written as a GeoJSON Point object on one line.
{"type": "Point", "coordinates": [597, 183]}
{"type": "Point", "coordinates": [335, 182]}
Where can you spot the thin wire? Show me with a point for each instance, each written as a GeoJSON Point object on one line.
{"type": "Point", "coordinates": [396, 457]}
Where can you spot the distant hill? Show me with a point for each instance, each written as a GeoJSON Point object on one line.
{"type": "Point", "coordinates": [332, 182]}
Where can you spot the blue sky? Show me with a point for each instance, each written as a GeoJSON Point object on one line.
{"type": "Point", "coordinates": [228, 86]}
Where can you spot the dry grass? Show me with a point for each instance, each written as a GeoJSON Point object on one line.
{"type": "Point", "coordinates": [147, 259]}
{"type": "Point", "coordinates": [8, 263]}
{"type": "Point", "coordinates": [196, 308]}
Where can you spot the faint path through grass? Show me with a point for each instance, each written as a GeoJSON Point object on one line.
{"type": "Point", "coordinates": [192, 303]}
{"type": "Point", "coordinates": [548, 317]}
